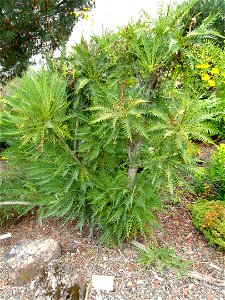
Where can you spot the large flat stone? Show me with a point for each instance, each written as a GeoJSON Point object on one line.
{"type": "Point", "coordinates": [27, 258]}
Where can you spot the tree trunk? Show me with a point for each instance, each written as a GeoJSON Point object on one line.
{"type": "Point", "coordinates": [133, 155]}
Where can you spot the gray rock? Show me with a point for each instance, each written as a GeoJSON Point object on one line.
{"type": "Point", "coordinates": [59, 281]}
{"type": "Point", "coordinates": [28, 257]}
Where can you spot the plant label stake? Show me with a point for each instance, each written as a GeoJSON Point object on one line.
{"type": "Point", "coordinates": [102, 283]}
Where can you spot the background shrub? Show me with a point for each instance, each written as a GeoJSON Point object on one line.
{"type": "Point", "coordinates": [209, 218]}
{"type": "Point", "coordinates": [203, 9]}
{"type": "Point", "coordinates": [217, 171]}
{"type": "Point", "coordinates": [211, 178]}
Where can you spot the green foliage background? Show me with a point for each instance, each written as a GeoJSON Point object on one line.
{"type": "Point", "coordinates": [211, 178]}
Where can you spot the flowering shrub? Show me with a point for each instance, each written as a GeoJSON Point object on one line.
{"type": "Point", "coordinates": [211, 75]}
{"type": "Point", "coordinates": [209, 218]}
{"type": "Point", "coordinates": [84, 12]}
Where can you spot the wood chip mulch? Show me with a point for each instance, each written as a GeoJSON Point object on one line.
{"type": "Point", "coordinates": [132, 281]}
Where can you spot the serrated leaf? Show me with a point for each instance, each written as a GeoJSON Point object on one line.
{"type": "Point", "coordinates": [82, 82]}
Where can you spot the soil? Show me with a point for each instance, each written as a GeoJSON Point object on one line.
{"type": "Point", "coordinates": [131, 279]}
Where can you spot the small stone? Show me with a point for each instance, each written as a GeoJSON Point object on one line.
{"type": "Point", "coordinates": [189, 235]}
{"type": "Point", "coordinates": [140, 282]}
{"type": "Point", "coordinates": [185, 292]}
{"type": "Point", "coordinates": [209, 296]}
{"type": "Point", "coordinates": [130, 283]}
{"type": "Point", "coordinates": [32, 285]}
{"type": "Point", "coordinates": [191, 286]}
{"type": "Point", "coordinates": [158, 278]}
{"type": "Point", "coordinates": [26, 258]}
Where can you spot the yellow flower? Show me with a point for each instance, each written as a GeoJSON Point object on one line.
{"type": "Point", "coordinates": [223, 74]}
{"type": "Point", "coordinates": [211, 82]}
{"type": "Point", "coordinates": [3, 158]}
{"type": "Point", "coordinates": [221, 147]}
{"type": "Point", "coordinates": [76, 14]}
{"type": "Point", "coordinates": [202, 66]}
{"type": "Point", "coordinates": [215, 71]}
{"type": "Point", "coordinates": [205, 77]}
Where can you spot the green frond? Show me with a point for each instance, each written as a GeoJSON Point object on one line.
{"type": "Point", "coordinates": [127, 129]}
{"type": "Point", "coordinates": [81, 83]}
{"type": "Point", "coordinates": [206, 28]}
{"type": "Point", "coordinates": [103, 117]}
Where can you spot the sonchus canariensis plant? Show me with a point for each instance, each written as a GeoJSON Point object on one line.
{"type": "Point", "coordinates": [107, 133]}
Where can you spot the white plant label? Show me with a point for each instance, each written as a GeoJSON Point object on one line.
{"type": "Point", "coordinates": [101, 282]}
{"type": "Point", "coordinates": [5, 236]}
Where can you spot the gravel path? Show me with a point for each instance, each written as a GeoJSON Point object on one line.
{"type": "Point", "coordinates": [131, 280]}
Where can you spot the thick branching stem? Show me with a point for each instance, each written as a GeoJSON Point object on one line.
{"type": "Point", "coordinates": [133, 155]}
{"type": "Point", "coordinates": [75, 149]}
{"type": "Point", "coordinates": [67, 148]}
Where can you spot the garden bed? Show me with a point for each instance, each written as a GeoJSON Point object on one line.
{"type": "Point", "coordinates": [105, 137]}
{"type": "Point", "coordinates": [132, 281]}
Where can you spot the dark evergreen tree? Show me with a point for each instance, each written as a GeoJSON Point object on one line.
{"type": "Point", "coordinates": [29, 27]}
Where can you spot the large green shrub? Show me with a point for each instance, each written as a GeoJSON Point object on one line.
{"type": "Point", "coordinates": [106, 134]}
{"type": "Point", "coordinates": [208, 77]}
{"type": "Point", "coordinates": [209, 218]}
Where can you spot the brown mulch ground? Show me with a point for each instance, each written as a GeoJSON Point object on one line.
{"type": "Point", "coordinates": [132, 281]}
